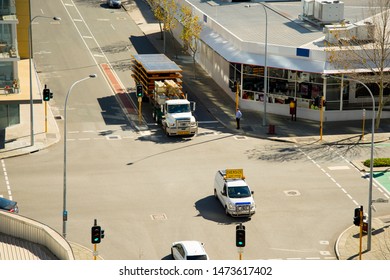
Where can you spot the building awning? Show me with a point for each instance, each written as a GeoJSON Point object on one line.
{"type": "Point", "coordinates": [232, 54]}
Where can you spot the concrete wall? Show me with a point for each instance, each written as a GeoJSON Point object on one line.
{"type": "Point", "coordinates": [35, 232]}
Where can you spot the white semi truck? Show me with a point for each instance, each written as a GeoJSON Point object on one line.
{"type": "Point", "coordinates": [172, 109]}
{"type": "Point", "coordinates": [161, 82]}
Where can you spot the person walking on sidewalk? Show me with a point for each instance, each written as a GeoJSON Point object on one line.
{"type": "Point", "coordinates": [238, 117]}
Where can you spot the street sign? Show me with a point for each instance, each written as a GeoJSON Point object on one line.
{"type": "Point", "coordinates": [234, 173]}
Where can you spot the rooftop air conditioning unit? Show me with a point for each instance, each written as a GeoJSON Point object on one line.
{"type": "Point", "coordinates": [308, 8]}
{"type": "Point", "coordinates": [365, 31]}
{"type": "Point", "coordinates": [329, 11]}
{"type": "Point", "coordinates": [335, 33]}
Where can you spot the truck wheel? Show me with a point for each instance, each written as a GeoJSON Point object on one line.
{"type": "Point", "coordinates": [226, 211]}
{"type": "Point", "coordinates": [165, 131]}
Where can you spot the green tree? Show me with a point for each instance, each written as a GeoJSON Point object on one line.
{"type": "Point", "coordinates": [348, 52]}
{"type": "Point", "coordinates": [165, 12]}
{"type": "Point", "coordinates": [191, 31]}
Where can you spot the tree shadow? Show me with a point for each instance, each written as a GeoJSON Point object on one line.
{"type": "Point", "coordinates": [142, 45]}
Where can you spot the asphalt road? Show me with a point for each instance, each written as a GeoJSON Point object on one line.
{"type": "Point", "coordinates": [147, 190]}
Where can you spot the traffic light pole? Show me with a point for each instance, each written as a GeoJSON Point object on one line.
{"type": "Point", "coordinates": [360, 232]}
{"type": "Point", "coordinates": [95, 252]}
{"type": "Point", "coordinates": [240, 253]}
{"type": "Point", "coordinates": [97, 234]}
{"type": "Point", "coordinates": [139, 109]}
{"type": "Point", "coordinates": [237, 95]}
{"type": "Point", "coordinates": [321, 117]}
{"type": "Point", "coordinates": [45, 117]}
{"type": "Point", "coordinates": [96, 227]}
{"type": "Point", "coordinates": [240, 239]}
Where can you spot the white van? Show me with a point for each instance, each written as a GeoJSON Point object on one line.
{"type": "Point", "coordinates": [234, 193]}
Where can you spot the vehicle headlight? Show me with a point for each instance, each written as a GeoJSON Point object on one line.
{"type": "Point", "coordinates": [172, 124]}
{"type": "Point", "coordinates": [193, 124]}
{"type": "Point", "coordinates": [231, 206]}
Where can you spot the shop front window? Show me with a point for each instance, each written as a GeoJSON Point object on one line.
{"type": "Point", "coordinates": [9, 115]}
{"type": "Point", "coordinates": [234, 75]}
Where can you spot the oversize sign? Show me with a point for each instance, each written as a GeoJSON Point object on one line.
{"type": "Point", "coordinates": [234, 173]}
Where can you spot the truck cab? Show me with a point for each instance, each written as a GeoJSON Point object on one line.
{"type": "Point", "coordinates": [231, 189]}
{"type": "Point", "coordinates": [178, 118]}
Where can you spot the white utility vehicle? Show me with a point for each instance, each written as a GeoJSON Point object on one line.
{"type": "Point", "coordinates": [234, 193]}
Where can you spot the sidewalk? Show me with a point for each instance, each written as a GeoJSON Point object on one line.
{"type": "Point", "coordinates": [222, 107]}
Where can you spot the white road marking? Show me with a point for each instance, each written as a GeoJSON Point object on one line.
{"type": "Point", "coordinates": [343, 167]}
{"type": "Point", "coordinates": [328, 175]}
{"type": "Point", "coordinates": [7, 183]}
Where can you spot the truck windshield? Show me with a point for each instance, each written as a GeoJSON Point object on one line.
{"type": "Point", "coordinates": [182, 108]}
{"type": "Point", "coordinates": [239, 192]}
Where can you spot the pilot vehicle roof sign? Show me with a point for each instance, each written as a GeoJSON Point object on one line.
{"type": "Point", "coordinates": [234, 174]}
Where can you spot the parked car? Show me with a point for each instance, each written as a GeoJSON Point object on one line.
{"type": "Point", "coordinates": [8, 205]}
{"type": "Point", "coordinates": [188, 250]}
{"type": "Point", "coordinates": [114, 3]}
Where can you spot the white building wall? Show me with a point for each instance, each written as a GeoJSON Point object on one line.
{"type": "Point", "coordinates": [218, 68]}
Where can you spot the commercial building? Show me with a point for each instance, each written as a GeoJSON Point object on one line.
{"type": "Point", "coordinates": [9, 57]}
{"type": "Point", "coordinates": [15, 80]}
{"type": "Point", "coordinates": [289, 39]}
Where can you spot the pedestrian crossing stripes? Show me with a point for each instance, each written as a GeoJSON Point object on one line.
{"type": "Point", "coordinates": [91, 135]}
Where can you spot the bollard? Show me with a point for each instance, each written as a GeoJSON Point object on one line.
{"type": "Point", "coordinates": [271, 129]}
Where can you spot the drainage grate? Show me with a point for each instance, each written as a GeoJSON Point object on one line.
{"type": "Point", "coordinates": [158, 217]}
{"type": "Point", "coordinates": [113, 137]}
{"type": "Point", "coordinates": [58, 117]}
{"type": "Point", "coordinates": [292, 193]}
{"type": "Point", "coordinates": [240, 137]}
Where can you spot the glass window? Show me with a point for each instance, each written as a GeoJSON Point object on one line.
{"type": "Point", "coordinates": [3, 116]}
{"type": "Point", "coordinates": [13, 114]}
{"type": "Point", "coordinates": [238, 192]}
{"type": "Point", "coordinates": [234, 75]}
{"type": "Point", "coordinates": [184, 108]}
{"type": "Point", "coordinates": [361, 91]}
{"type": "Point", "coordinates": [9, 115]}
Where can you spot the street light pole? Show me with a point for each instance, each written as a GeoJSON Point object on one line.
{"type": "Point", "coordinates": [369, 227]}
{"type": "Point", "coordinates": [265, 66]}
{"type": "Point", "coordinates": [65, 212]}
{"type": "Point", "coordinates": [30, 53]}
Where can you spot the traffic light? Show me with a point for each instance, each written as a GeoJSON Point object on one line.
{"type": "Point", "coordinates": [46, 94]}
{"type": "Point", "coordinates": [357, 216]}
{"type": "Point", "coordinates": [96, 234]}
{"type": "Point", "coordinates": [322, 103]}
{"type": "Point", "coordinates": [139, 91]}
{"type": "Point", "coordinates": [240, 236]}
